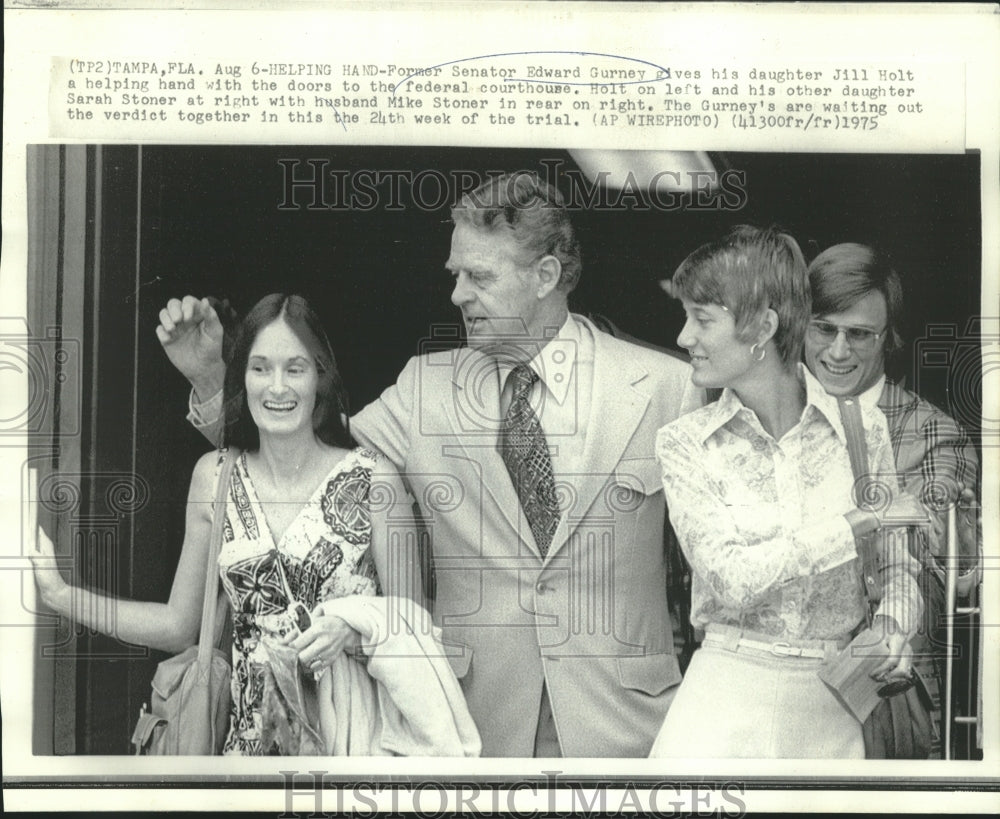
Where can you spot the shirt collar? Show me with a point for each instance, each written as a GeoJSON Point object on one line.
{"type": "Point", "coordinates": [817, 401]}
{"type": "Point", "coordinates": [869, 398]}
{"type": "Point", "coordinates": [829, 406]}
{"type": "Point", "coordinates": [723, 411]}
{"type": "Point", "coordinates": [553, 363]}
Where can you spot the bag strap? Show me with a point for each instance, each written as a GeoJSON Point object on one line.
{"type": "Point", "coordinates": [857, 450]}
{"type": "Point", "coordinates": [854, 433]}
{"type": "Point", "coordinates": [211, 601]}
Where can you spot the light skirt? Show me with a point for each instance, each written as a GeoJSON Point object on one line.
{"type": "Point", "coordinates": [745, 704]}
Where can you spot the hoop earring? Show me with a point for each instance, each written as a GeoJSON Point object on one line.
{"type": "Point", "coordinates": [753, 352]}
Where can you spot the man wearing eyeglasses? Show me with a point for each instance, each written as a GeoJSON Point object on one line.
{"type": "Point", "coordinates": [857, 302]}
{"type": "Point", "coordinates": [530, 455]}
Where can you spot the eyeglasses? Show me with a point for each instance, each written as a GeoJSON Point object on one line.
{"type": "Point", "coordinates": [858, 338]}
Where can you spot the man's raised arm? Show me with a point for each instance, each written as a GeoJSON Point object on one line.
{"type": "Point", "coordinates": [192, 336]}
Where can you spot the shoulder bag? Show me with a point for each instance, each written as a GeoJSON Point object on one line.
{"type": "Point", "coordinates": [189, 704]}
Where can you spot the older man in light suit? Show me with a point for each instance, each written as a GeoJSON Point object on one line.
{"type": "Point", "coordinates": [530, 455]}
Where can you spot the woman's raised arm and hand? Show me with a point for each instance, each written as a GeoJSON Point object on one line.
{"type": "Point", "coordinates": [170, 626]}
{"type": "Point", "coordinates": [191, 335]}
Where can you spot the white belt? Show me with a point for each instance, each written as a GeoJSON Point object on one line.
{"type": "Point", "coordinates": [778, 649]}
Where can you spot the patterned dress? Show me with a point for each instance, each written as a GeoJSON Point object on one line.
{"type": "Point", "coordinates": [323, 554]}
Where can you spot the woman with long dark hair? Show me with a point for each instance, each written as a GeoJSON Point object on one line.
{"type": "Point", "coordinates": [307, 520]}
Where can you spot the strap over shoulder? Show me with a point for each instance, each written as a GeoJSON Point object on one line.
{"type": "Point", "coordinates": [210, 603]}
{"type": "Point", "coordinates": [857, 450]}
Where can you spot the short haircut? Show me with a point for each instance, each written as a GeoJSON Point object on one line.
{"type": "Point", "coordinates": [331, 397]}
{"type": "Point", "coordinates": [844, 274]}
{"type": "Point", "coordinates": [747, 271]}
{"type": "Point", "coordinates": [532, 212]}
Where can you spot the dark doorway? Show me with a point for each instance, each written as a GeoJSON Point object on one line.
{"type": "Point", "coordinates": [228, 222]}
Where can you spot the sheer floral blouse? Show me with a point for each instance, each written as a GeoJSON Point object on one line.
{"type": "Point", "coordinates": [762, 521]}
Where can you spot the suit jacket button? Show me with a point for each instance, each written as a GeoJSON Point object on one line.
{"type": "Point", "coordinates": [541, 587]}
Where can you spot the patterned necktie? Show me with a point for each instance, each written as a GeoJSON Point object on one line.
{"type": "Point", "coordinates": [526, 454]}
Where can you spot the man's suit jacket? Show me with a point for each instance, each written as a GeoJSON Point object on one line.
{"type": "Point", "coordinates": [591, 618]}
{"type": "Point", "coordinates": [935, 457]}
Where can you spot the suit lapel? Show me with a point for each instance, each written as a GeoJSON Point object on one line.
{"type": "Point", "coordinates": [473, 411]}
{"type": "Point", "coordinates": [617, 407]}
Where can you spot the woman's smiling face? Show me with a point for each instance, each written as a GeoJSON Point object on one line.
{"type": "Point", "coordinates": [281, 380]}
{"type": "Point", "coordinates": [719, 357]}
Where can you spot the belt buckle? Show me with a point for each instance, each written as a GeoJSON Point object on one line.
{"type": "Point", "coordinates": [784, 650]}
